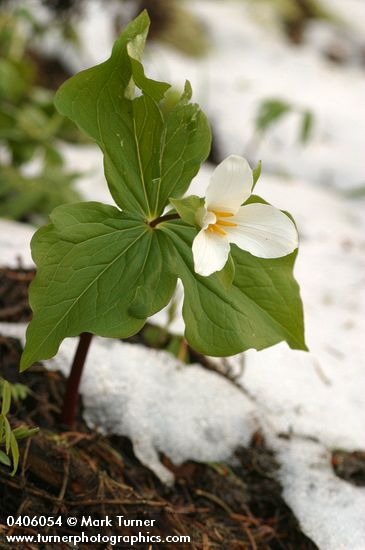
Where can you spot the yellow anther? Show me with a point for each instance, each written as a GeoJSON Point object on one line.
{"type": "Point", "coordinates": [227, 224]}
{"type": "Point", "coordinates": [213, 228]}
{"type": "Point", "coordinates": [223, 214]}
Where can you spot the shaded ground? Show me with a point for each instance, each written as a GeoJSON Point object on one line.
{"type": "Point", "coordinates": [83, 473]}
{"type": "Point", "coordinates": [350, 466]}
{"type": "Point", "coordinates": [14, 285]}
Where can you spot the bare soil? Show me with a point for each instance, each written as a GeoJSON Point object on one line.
{"type": "Point", "coordinates": [14, 285]}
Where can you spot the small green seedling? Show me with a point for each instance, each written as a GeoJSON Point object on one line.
{"type": "Point", "coordinates": [105, 269]}
{"type": "Point", "coordinates": [273, 110]}
{"type": "Point", "coordinates": [9, 437]}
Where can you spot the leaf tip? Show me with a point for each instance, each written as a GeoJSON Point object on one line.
{"type": "Point", "coordinates": [24, 362]}
{"type": "Point", "coordinates": [188, 91]}
{"type": "Point", "coordinates": [256, 173]}
{"type": "Point", "coordinates": [144, 16]}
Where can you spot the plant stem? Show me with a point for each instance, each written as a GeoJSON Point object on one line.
{"type": "Point", "coordinates": [70, 401]}
{"type": "Point", "coordinates": [166, 218]}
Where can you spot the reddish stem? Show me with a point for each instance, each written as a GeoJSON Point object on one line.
{"type": "Point", "coordinates": [165, 218]}
{"type": "Point", "coordinates": [70, 400]}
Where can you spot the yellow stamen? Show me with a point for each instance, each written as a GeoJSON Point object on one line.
{"type": "Point", "coordinates": [213, 228]}
{"type": "Point", "coordinates": [227, 224]}
{"type": "Point", "coordinates": [223, 214]}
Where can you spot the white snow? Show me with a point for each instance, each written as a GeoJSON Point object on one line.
{"type": "Point", "coordinates": [88, 160]}
{"type": "Point", "coordinates": [250, 62]}
{"type": "Point", "coordinates": [14, 244]}
{"type": "Point", "coordinates": [161, 404]}
{"type": "Point", "coordinates": [331, 511]}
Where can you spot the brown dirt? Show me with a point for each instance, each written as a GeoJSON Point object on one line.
{"type": "Point", "coordinates": [14, 285]}
{"type": "Point", "coordinates": [80, 472]}
{"type": "Point", "coordinates": [350, 466]}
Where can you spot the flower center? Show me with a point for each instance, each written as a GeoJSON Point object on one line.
{"type": "Point", "coordinates": [217, 226]}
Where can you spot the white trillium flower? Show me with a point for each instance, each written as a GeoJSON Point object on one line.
{"type": "Point", "coordinates": [260, 229]}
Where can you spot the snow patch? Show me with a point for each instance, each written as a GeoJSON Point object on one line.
{"type": "Point", "coordinates": [162, 405]}
{"type": "Point", "coordinates": [330, 510]}
{"type": "Point", "coordinates": [250, 62]}
{"type": "Point", "coordinates": [14, 244]}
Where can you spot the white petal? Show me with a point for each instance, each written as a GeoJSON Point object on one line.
{"type": "Point", "coordinates": [230, 185]}
{"type": "Point", "coordinates": [210, 252]}
{"type": "Point", "coordinates": [204, 218]}
{"type": "Point", "coordinates": [263, 230]}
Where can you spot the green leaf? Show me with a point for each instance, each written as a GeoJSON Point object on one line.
{"type": "Point", "coordinates": [19, 391]}
{"type": "Point", "coordinates": [256, 174]}
{"type": "Point", "coordinates": [91, 260]}
{"type": "Point", "coordinates": [226, 275]}
{"type": "Point", "coordinates": [261, 308]}
{"type": "Point", "coordinates": [156, 283]}
{"type": "Point", "coordinates": [7, 429]}
{"type": "Point", "coordinates": [21, 432]}
{"type": "Point", "coordinates": [185, 145]}
{"type": "Point", "coordinates": [147, 158]}
{"type": "Point", "coordinates": [99, 100]}
{"type": "Point", "coordinates": [255, 198]}
{"type": "Point", "coordinates": [2, 427]}
{"type": "Point", "coordinates": [14, 453]}
{"type": "Point", "coordinates": [23, 151]}
{"type": "Point", "coordinates": [6, 398]}
{"type": "Point", "coordinates": [23, 196]}
{"type": "Point", "coordinates": [36, 123]}
{"type": "Point", "coordinates": [271, 111]}
{"type": "Point", "coordinates": [356, 192]}
{"type": "Point", "coordinates": [12, 82]}
{"type": "Point", "coordinates": [188, 207]}
{"type": "Point", "coordinates": [4, 459]}
{"type": "Point", "coordinates": [307, 126]}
